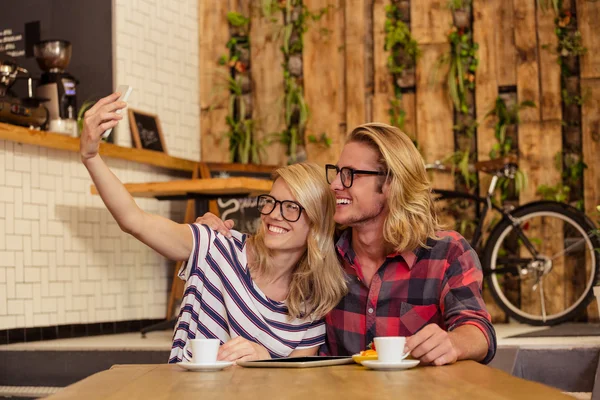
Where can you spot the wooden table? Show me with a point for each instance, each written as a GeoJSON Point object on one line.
{"type": "Point", "coordinates": [464, 380]}
{"type": "Point", "coordinates": [210, 188]}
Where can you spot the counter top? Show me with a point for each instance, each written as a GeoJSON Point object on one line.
{"type": "Point", "coordinates": [59, 141]}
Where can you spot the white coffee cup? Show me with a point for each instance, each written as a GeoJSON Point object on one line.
{"type": "Point", "coordinates": [390, 348]}
{"type": "Point", "coordinates": [204, 351]}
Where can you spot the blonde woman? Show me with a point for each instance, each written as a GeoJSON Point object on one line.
{"type": "Point", "coordinates": [262, 296]}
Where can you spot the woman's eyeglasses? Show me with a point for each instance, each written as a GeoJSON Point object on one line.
{"type": "Point", "coordinates": [289, 210]}
{"type": "Point", "coordinates": [346, 174]}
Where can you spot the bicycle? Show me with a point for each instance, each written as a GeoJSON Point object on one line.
{"type": "Point", "coordinates": [524, 248]}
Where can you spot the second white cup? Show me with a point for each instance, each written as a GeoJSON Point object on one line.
{"type": "Point", "coordinates": [390, 348]}
{"type": "Point", "coordinates": [204, 351]}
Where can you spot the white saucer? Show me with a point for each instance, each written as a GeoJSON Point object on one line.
{"type": "Point", "coordinates": [404, 364]}
{"type": "Point", "coordinates": [216, 366]}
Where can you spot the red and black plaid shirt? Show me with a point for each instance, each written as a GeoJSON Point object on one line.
{"type": "Point", "coordinates": [436, 285]}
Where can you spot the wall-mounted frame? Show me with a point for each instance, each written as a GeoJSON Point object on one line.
{"type": "Point", "coordinates": [146, 131]}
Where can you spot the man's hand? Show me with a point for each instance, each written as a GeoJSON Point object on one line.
{"type": "Point", "coordinates": [216, 224]}
{"type": "Point", "coordinates": [241, 349]}
{"type": "Point", "coordinates": [432, 345]}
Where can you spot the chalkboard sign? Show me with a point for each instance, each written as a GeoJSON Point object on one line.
{"type": "Point", "coordinates": [146, 131]}
{"type": "Point", "coordinates": [242, 210]}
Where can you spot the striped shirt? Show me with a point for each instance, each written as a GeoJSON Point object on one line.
{"type": "Point", "coordinates": [222, 301]}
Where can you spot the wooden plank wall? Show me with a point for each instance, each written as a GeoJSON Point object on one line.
{"type": "Point", "coordinates": [430, 22]}
{"type": "Point", "coordinates": [384, 86]}
{"type": "Point", "coordinates": [486, 92]}
{"type": "Point", "coordinates": [214, 99]}
{"type": "Point", "coordinates": [589, 14]}
{"type": "Point", "coordinates": [354, 49]}
{"type": "Point", "coordinates": [324, 62]}
{"type": "Point", "coordinates": [347, 82]}
{"type": "Point", "coordinates": [267, 82]}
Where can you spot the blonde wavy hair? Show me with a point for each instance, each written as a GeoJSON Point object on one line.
{"type": "Point", "coordinates": [318, 282]}
{"type": "Point", "coordinates": [412, 218]}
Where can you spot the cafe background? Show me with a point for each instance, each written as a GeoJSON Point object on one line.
{"type": "Point", "coordinates": [274, 82]}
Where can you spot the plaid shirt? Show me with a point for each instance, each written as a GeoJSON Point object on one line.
{"type": "Point", "coordinates": [436, 285]}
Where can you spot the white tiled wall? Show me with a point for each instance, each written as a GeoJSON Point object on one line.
{"type": "Point", "coordinates": [157, 53]}
{"type": "Point", "coordinates": [63, 259]}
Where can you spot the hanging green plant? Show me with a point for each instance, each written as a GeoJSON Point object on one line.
{"type": "Point", "coordinates": [571, 168]}
{"type": "Point", "coordinates": [296, 20]}
{"type": "Point", "coordinates": [403, 53]}
{"type": "Point", "coordinates": [507, 119]}
{"type": "Point", "coordinates": [463, 63]}
{"type": "Point", "coordinates": [546, 5]}
{"type": "Point", "coordinates": [243, 147]}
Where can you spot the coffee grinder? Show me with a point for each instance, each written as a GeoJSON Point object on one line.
{"type": "Point", "coordinates": [57, 85]}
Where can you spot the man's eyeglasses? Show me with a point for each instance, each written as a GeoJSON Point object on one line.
{"type": "Point", "coordinates": [346, 174]}
{"type": "Point", "coordinates": [289, 210]}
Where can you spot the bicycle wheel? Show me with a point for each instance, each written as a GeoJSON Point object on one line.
{"type": "Point", "coordinates": [543, 271]}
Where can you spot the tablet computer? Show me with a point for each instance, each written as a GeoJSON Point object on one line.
{"type": "Point", "coordinates": [298, 362]}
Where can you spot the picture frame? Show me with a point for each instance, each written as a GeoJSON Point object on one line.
{"type": "Point", "coordinates": [146, 131]}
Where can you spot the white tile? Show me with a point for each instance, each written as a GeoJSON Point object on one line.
{"type": "Point", "coordinates": [27, 253]}
{"type": "Point", "coordinates": [26, 188]}
{"type": "Point", "coordinates": [2, 233]}
{"type": "Point", "coordinates": [22, 227]}
{"type": "Point", "coordinates": [19, 265]}
{"type": "Point", "coordinates": [49, 305]}
{"type": "Point", "coordinates": [13, 178]}
{"type": "Point", "coordinates": [39, 196]}
{"type": "Point", "coordinates": [22, 163]}
{"type": "Point", "coordinates": [35, 235]}
{"type": "Point", "coordinates": [14, 242]}
{"type": "Point", "coordinates": [7, 258]}
{"type": "Point", "coordinates": [63, 274]}
{"type": "Point", "coordinates": [31, 212]}
{"type": "Point", "coordinates": [56, 289]}
{"type": "Point", "coordinates": [35, 173]}
{"type": "Point", "coordinates": [3, 300]}
{"type": "Point", "coordinates": [23, 290]}
{"type": "Point", "coordinates": [37, 298]}
{"type": "Point", "coordinates": [43, 277]}
{"type": "Point", "coordinates": [10, 283]}
{"type": "Point", "coordinates": [60, 310]}
{"type": "Point", "coordinates": [7, 195]}
{"type": "Point", "coordinates": [10, 220]}
{"type": "Point", "coordinates": [47, 243]}
{"type": "Point", "coordinates": [71, 258]}
{"type": "Point", "coordinates": [40, 258]}
{"type": "Point", "coordinates": [41, 320]}
{"type": "Point", "coordinates": [8, 321]}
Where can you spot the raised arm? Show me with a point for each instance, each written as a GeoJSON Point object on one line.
{"type": "Point", "coordinates": [168, 238]}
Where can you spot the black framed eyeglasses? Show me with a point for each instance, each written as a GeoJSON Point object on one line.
{"type": "Point", "coordinates": [289, 210]}
{"type": "Point", "coordinates": [346, 174]}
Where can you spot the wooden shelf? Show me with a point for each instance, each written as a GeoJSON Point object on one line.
{"type": "Point", "coordinates": [63, 142]}
{"type": "Point", "coordinates": [212, 187]}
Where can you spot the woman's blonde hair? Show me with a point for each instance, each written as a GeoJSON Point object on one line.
{"type": "Point", "coordinates": [318, 282]}
{"type": "Point", "coordinates": [412, 217]}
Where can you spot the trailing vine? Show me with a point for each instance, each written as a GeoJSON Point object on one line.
{"type": "Point", "coordinates": [243, 147]}
{"type": "Point", "coordinates": [568, 50]}
{"type": "Point", "coordinates": [403, 52]}
{"type": "Point", "coordinates": [462, 61]}
{"type": "Point", "coordinates": [296, 19]}
{"type": "Point", "coordinates": [507, 119]}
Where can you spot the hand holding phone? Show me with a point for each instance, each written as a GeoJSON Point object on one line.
{"type": "Point", "coordinates": [125, 91]}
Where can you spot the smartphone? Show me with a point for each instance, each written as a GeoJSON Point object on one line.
{"type": "Point", "coordinates": [125, 91]}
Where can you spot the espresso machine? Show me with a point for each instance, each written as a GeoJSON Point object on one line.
{"type": "Point", "coordinates": [26, 111]}
{"type": "Point", "coordinates": [57, 85]}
